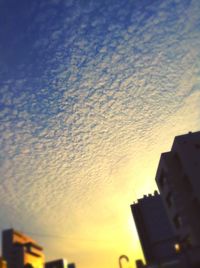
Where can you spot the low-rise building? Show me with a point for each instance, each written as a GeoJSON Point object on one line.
{"type": "Point", "coordinates": [19, 250]}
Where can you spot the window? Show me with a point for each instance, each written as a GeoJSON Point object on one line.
{"type": "Point", "coordinates": [177, 247]}
{"type": "Point", "coordinates": [196, 206]}
{"type": "Point", "coordinates": [170, 200]}
{"type": "Point", "coordinates": [162, 180]}
{"type": "Point", "coordinates": [187, 184]}
{"type": "Point", "coordinates": [177, 161]}
{"type": "Point", "coordinates": [187, 241]}
{"type": "Point", "coordinates": [28, 265]}
{"type": "Point", "coordinates": [197, 145]}
{"type": "Point", "coordinates": [177, 221]}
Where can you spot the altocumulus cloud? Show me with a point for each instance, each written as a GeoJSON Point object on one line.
{"type": "Point", "coordinates": [87, 88]}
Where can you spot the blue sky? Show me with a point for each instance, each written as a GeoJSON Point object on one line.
{"type": "Point", "coordinates": [91, 93]}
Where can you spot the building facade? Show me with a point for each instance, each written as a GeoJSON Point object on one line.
{"type": "Point", "coordinates": [178, 180]}
{"type": "Point", "coordinates": [154, 230]}
{"type": "Point", "coordinates": [20, 250]}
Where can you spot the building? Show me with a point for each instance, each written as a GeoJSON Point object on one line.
{"type": "Point", "coordinates": [3, 263]}
{"type": "Point", "coordinates": [154, 230]}
{"type": "Point", "coordinates": [71, 265]}
{"type": "Point", "coordinates": [20, 250]}
{"type": "Point", "coordinates": [178, 179]}
{"type": "Point", "coordinates": [60, 263]}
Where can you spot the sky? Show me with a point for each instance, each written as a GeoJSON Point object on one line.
{"type": "Point", "coordinates": [91, 93]}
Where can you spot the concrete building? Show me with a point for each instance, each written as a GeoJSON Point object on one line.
{"type": "Point", "coordinates": [178, 179]}
{"type": "Point", "coordinates": [154, 230]}
{"type": "Point", "coordinates": [20, 250]}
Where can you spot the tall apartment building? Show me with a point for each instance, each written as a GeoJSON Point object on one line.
{"type": "Point", "coordinates": [154, 230]}
{"type": "Point", "coordinates": [178, 179]}
{"type": "Point", "coordinates": [20, 250]}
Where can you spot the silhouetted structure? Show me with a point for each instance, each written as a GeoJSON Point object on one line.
{"type": "Point", "coordinates": [178, 179]}
{"type": "Point", "coordinates": [21, 251]}
{"type": "Point", "coordinates": [71, 265]}
{"type": "Point", "coordinates": [3, 263]}
{"type": "Point", "coordinates": [123, 257]}
{"type": "Point", "coordinates": [154, 230]}
{"type": "Point", "coordinates": [61, 263]}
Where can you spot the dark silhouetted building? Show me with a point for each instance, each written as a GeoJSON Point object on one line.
{"type": "Point", "coordinates": [71, 265]}
{"type": "Point", "coordinates": [178, 179]}
{"type": "Point", "coordinates": [20, 250]}
{"type": "Point", "coordinates": [61, 263]}
{"type": "Point", "coordinates": [154, 230]}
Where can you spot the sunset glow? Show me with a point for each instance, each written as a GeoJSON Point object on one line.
{"type": "Point", "coordinates": [92, 92]}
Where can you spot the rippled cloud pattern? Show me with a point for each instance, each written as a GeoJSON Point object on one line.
{"type": "Point", "coordinates": [91, 92]}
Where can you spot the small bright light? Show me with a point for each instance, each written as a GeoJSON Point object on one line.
{"type": "Point", "coordinates": [177, 247]}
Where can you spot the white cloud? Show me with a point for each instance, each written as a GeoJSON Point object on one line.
{"type": "Point", "coordinates": [109, 94]}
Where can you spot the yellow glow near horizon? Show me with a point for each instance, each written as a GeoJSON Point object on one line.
{"type": "Point", "coordinates": [80, 190]}
{"type": "Point", "coordinates": [105, 228]}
